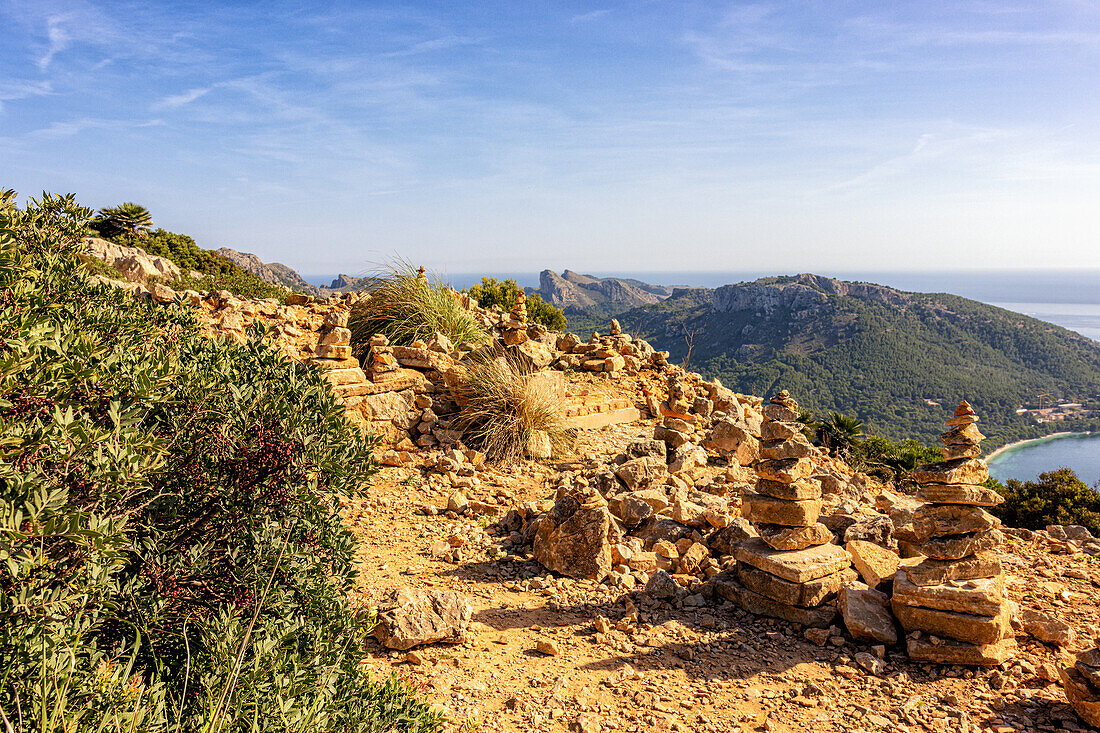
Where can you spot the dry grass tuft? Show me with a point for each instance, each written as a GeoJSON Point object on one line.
{"type": "Point", "coordinates": [406, 308]}
{"type": "Point", "coordinates": [504, 408]}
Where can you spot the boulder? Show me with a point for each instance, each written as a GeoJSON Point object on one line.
{"type": "Point", "coordinates": [1044, 627]}
{"type": "Point", "coordinates": [877, 529]}
{"type": "Point", "coordinates": [643, 472]}
{"type": "Point", "coordinates": [414, 616]}
{"type": "Point", "coordinates": [866, 613]}
{"type": "Point", "coordinates": [724, 540]}
{"type": "Point", "coordinates": [573, 537]}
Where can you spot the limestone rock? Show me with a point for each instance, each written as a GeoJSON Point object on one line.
{"type": "Point", "coordinates": [949, 651]}
{"type": "Point", "coordinates": [794, 447]}
{"type": "Point", "coordinates": [762, 509]}
{"type": "Point", "coordinates": [809, 594]}
{"type": "Point", "coordinates": [1082, 696]}
{"type": "Point", "coordinates": [724, 540]}
{"type": "Point", "coordinates": [878, 529]}
{"type": "Point", "coordinates": [726, 587]}
{"type": "Point", "coordinates": [643, 472]}
{"type": "Point", "coordinates": [963, 471]}
{"type": "Point", "coordinates": [983, 597]}
{"type": "Point", "coordinates": [780, 537]}
{"type": "Point", "coordinates": [939, 520]}
{"type": "Point", "coordinates": [958, 494]}
{"type": "Point", "coordinates": [866, 613]}
{"type": "Point", "coordinates": [572, 538]}
{"type": "Point", "coordinates": [1044, 627]}
{"type": "Point", "coordinates": [798, 566]}
{"type": "Point", "coordinates": [786, 471]}
{"type": "Point", "coordinates": [798, 491]}
{"type": "Point", "coordinates": [875, 564]}
{"type": "Point", "coordinates": [412, 616]}
{"type": "Point", "coordinates": [959, 626]}
{"type": "Point", "coordinates": [926, 571]}
{"type": "Point", "coordinates": [958, 546]}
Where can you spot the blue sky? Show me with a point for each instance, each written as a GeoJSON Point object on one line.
{"type": "Point", "coordinates": [618, 136]}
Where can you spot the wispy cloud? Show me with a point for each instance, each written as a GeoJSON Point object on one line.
{"type": "Point", "coordinates": [433, 45]}
{"type": "Point", "coordinates": [592, 15]}
{"type": "Point", "coordinates": [58, 38]}
{"type": "Point", "coordinates": [179, 100]}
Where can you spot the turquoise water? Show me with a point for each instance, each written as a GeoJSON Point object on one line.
{"type": "Point", "coordinates": [1079, 451]}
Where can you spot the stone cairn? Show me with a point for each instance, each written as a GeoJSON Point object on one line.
{"type": "Point", "coordinates": [513, 330]}
{"type": "Point", "coordinates": [791, 571]}
{"type": "Point", "coordinates": [1081, 682]}
{"type": "Point", "coordinates": [951, 600]}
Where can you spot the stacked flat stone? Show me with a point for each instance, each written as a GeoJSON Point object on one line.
{"type": "Point", "coordinates": [513, 330]}
{"type": "Point", "coordinates": [1081, 682]}
{"type": "Point", "coordinates": [951, 600]}
{"type": "Point", "coordinates": [792, 570]}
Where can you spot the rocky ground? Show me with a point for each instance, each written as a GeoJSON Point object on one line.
{"type": "Point", "coordinates": [544, 652]}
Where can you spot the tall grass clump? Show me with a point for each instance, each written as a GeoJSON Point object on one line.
{"type": "Point", "coordinates": [504, 408]}
{"type": "Point", "coordinates": [172, 557]}
{"type": "Point", "coordinates": [405, 307]}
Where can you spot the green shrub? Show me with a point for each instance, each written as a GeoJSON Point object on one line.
{"type": "Point", "coordinates": [890, 461]}
{"type": "Point", "coordinates": [490, 292]}
{"type": "Point", "coordinates": [405, 308]}
{"type": "Point", "coordinates": [1058, 497]}
{"type": "Point", "coordinates": [171, 553]}
{"type": "Point", "coordinates": [503, 408]}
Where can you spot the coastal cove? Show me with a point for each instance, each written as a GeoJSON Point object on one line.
{"type": "Point", "coordinates": [1027, 459]}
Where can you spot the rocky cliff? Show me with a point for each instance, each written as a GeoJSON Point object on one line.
{"type": "Point", "coordinates": [584, 291]}
{"type": "Point", "coordinates": [275, 272]}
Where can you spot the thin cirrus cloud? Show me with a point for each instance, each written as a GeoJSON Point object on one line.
{"type": "Point", "coordinates": [582, 133]}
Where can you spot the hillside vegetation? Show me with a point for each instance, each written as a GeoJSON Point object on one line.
{"type": "Point", "coordinates": [172, 554]}
{"type": "Point", "coordinates": [895, 360]}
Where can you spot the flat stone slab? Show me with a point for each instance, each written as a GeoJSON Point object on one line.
{"type": "Point", "coordinates": [941, 520]}
{"type": "Point", "coordinates": [926, 571]}
{"type": "Point", "coordinates": [728, 588]}
{"type": "Point", "coordinates": [875, 564]}
{"type": "Point", "coordinates": [981, 597]}
{"type": "Point", "coordinates": [959, 626]}
{"type": "Point", "coordinates": [958, 471]}
{"type": "Point", "coordinates": [808, 595]}
{"type": "Point", "coordinates": [794, 538]}
{"type": "Point", "coordinates": [598, 420]}
{"type": "Point", "coordinates": [957, 546]}
{"type": "Point", "coordinates": [761, 509]}
{"type": "Point", "coordinates": [798, 566]}
{"type": "Point", "coordinates": [794, 447]}
{"type": "Point", "coordinates": [959, 494]}
{"type": "Point", "coordinates": [785, 471]}
{"type": "Point", "coordinates": [803, 490]}
{"type": "Point", "coordinates": [947, 651]}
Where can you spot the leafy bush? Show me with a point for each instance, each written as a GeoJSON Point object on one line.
{"type": "Point", "coordinates": [504, 408]}
{"type": "Point", "coordinates": [490, 292]}
{"type": "Point", "coordinates": [889, 461]}
{"type": "Point", "coordinates": [171, 554]}
{"type": "Point", "coordinates": [1058, 497]}
{"type": "Point", "coordinates": [405, 307]}
{"type": "Point", "coordinates": [219, 272]}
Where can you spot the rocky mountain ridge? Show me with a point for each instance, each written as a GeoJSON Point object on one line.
{"type": "Point", "coordinates": [585, 291]}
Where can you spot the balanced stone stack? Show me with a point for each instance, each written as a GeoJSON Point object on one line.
{"type": "Point", "coordinates": [1081, 682]}
{"type": "Point", "coordinates": [951, 600]}
{"type": "Point", "coordinates": [513, 330]}
{"type": "Point", "coordinates": [792, 570]}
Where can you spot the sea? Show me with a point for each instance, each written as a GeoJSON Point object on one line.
{"type": "Point", "coordinates": [1078, 451]}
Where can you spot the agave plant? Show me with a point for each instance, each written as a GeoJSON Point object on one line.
{"type": "Point", "coordinates": [127, 218]}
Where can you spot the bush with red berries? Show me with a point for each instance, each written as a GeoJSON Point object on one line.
{"type": "Point", "coordinates": [171, 555]}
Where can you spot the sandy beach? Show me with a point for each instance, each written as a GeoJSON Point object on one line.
{"type": "Point", "coordinates": [1018, 443]}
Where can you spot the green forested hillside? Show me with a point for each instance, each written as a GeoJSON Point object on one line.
{"type": "Point", "coordinates": [897, 360]}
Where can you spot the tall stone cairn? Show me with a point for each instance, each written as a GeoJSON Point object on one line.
{"type": "Point", "coordinates": [951, 601]}
{"type": "Point", "coordinates": [792, 570]}
{"type": "Point", "coordinates": [513, 330]}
